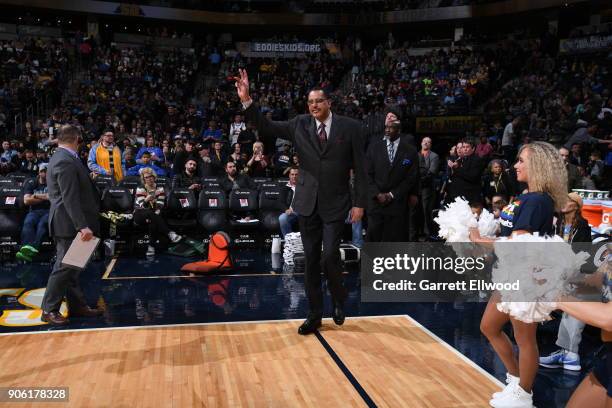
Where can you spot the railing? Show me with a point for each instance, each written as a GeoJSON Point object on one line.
{"type": "Point", "coordinates": [18, 128]}
{"type": "Point", "coordinates": [43, 103]}
{"type": "Point", "coordinates": [40, 107]}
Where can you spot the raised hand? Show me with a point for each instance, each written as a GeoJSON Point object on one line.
{"type": "Point", "coordinates": [242, 85]}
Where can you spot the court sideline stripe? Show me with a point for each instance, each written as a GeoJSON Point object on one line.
{"type": "Point", "coordinates": [52, 330]}
{"type": "Point", "coordinates": [347, 373]}
{"type": "Point", "coordinates": [459, 354]}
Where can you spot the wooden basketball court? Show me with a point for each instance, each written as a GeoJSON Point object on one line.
{"type": "Point", "coordinates": [375, 361]}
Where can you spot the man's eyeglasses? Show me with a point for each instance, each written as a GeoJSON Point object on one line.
{"type": "Point", "coordinates": [315, 101]}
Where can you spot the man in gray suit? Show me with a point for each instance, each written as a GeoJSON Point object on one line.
{"type": "Point", "coordinates": [75, 208]}
{"type": "Point", "coordinates": [429, 164]}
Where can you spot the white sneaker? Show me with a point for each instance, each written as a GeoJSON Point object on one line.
{"type": "Point", "coordinates": [517, 397]}
{"type": "Point", "coordinates": [150, 251]}
{"type": "Point", "coordinates": [174, 237]}
{"type": "Point", "coordinates": [510, 381]}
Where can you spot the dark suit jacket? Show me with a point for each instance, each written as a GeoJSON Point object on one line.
{"type": "Point", "coordinates": [466, 179]}
{"type": "Point", "coordinates": [73, 196]}
{"type": "Point", "coordinates": [323, 181]}
{"type": "Point", "coordinates": [399, 178]}
{"type": "Point", "coordinates": [286, 197]}
{"type": "Point", "coordinates": [242, 180]}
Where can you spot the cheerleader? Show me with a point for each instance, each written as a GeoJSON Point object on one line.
{"type": "Point", "coordinates": [542, 169]}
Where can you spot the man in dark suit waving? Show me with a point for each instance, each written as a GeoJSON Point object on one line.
{"type": "Point", "coordinates": [74, 209]}
{"type": "Point", "coordinates": [328, 146]}
{"type": "Point", "coordinates": [392, 168]}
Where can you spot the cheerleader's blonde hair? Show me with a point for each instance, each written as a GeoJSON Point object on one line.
{"type": "Point", "coordinates": [547, 172]}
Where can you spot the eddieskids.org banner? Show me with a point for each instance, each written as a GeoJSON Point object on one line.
{"type": "Point", "coordinates": [520, 272]}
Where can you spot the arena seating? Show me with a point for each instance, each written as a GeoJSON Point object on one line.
{"type": "Point", "coordinates": [12, 212]}
{"type": "Point", "coordinates": [181, 210]}
{"type": "Point", "coordinates": [271, 199]}
{"type": "Point", "coordinates": [131, 182]}
{"type": "Point", "coordinates": [117, 205]}
{"type": "Point", "coordinates": [212, 209]}
{"type": "Point", "coordinates": [164, 181]}
{"type": "Point", "coordinates": [243, 203]}
{"type": "Point", "coordinates": [103, 182]}
{"type": "Point", "coordinates": [6, 182]}
{"type": "Point", "coordinates": [19, 179]}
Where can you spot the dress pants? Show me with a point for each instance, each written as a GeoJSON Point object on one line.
{"type": "Point", "coordinates": [315, 232]}
{"type": "Point", "coordinates": [428, 196]}
{"type": "Point", "coordinates": [63, 281]}
{"type": "Point", "coordinates": [386, 228]}
{"type": "Point", "coordinates": [414, 221]}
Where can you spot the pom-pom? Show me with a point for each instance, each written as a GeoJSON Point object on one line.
{"type": "Point", "coordinates": [455, 221]}
{"type": "Point", "coordinates": [487, 224]}
{"type": "Point", "coordinates": [543, 273]}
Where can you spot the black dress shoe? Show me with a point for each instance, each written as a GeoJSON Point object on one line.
{"type": "Point", "coordinates": [310, 325]}
{"type": "Point", "coordinates": [53, 318]}
{"type": "Point", "coordinates": [85, 311]}
{"type": "Point", "coordinates": [339, 315]}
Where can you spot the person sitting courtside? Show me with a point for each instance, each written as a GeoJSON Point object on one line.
{"type": "Point", "coordinates": [232, 180]}
{"type": "Point", "coordinates": [35, 225]}
{"type": "Point", "coordinates": [289, 218]}
{"type": "Point", "coordinates": [189, 177]}
{"type": "Point", "coordinates": [150, 200]}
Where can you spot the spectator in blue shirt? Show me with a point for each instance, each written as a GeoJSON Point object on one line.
{"type": "Point", "coordinates": [215, 60]}
{"type": "Point", "coordinates": [212, 133]}
{"type": "Point", "coordinates": [145, 161]}
{"type": "Point", "coordinates": [8, 154]}
{"type": "Point", "coordinates": [157, 155]}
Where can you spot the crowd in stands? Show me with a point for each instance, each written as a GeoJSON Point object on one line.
{"type": "Point", "coordinates": [138, 111]}
{"type": "Point", "coordinates": [563, 100]}
{"type": "Point", "coordinates": [440, 82]}
{"type": "Point", "coordinates": [29, 67]}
